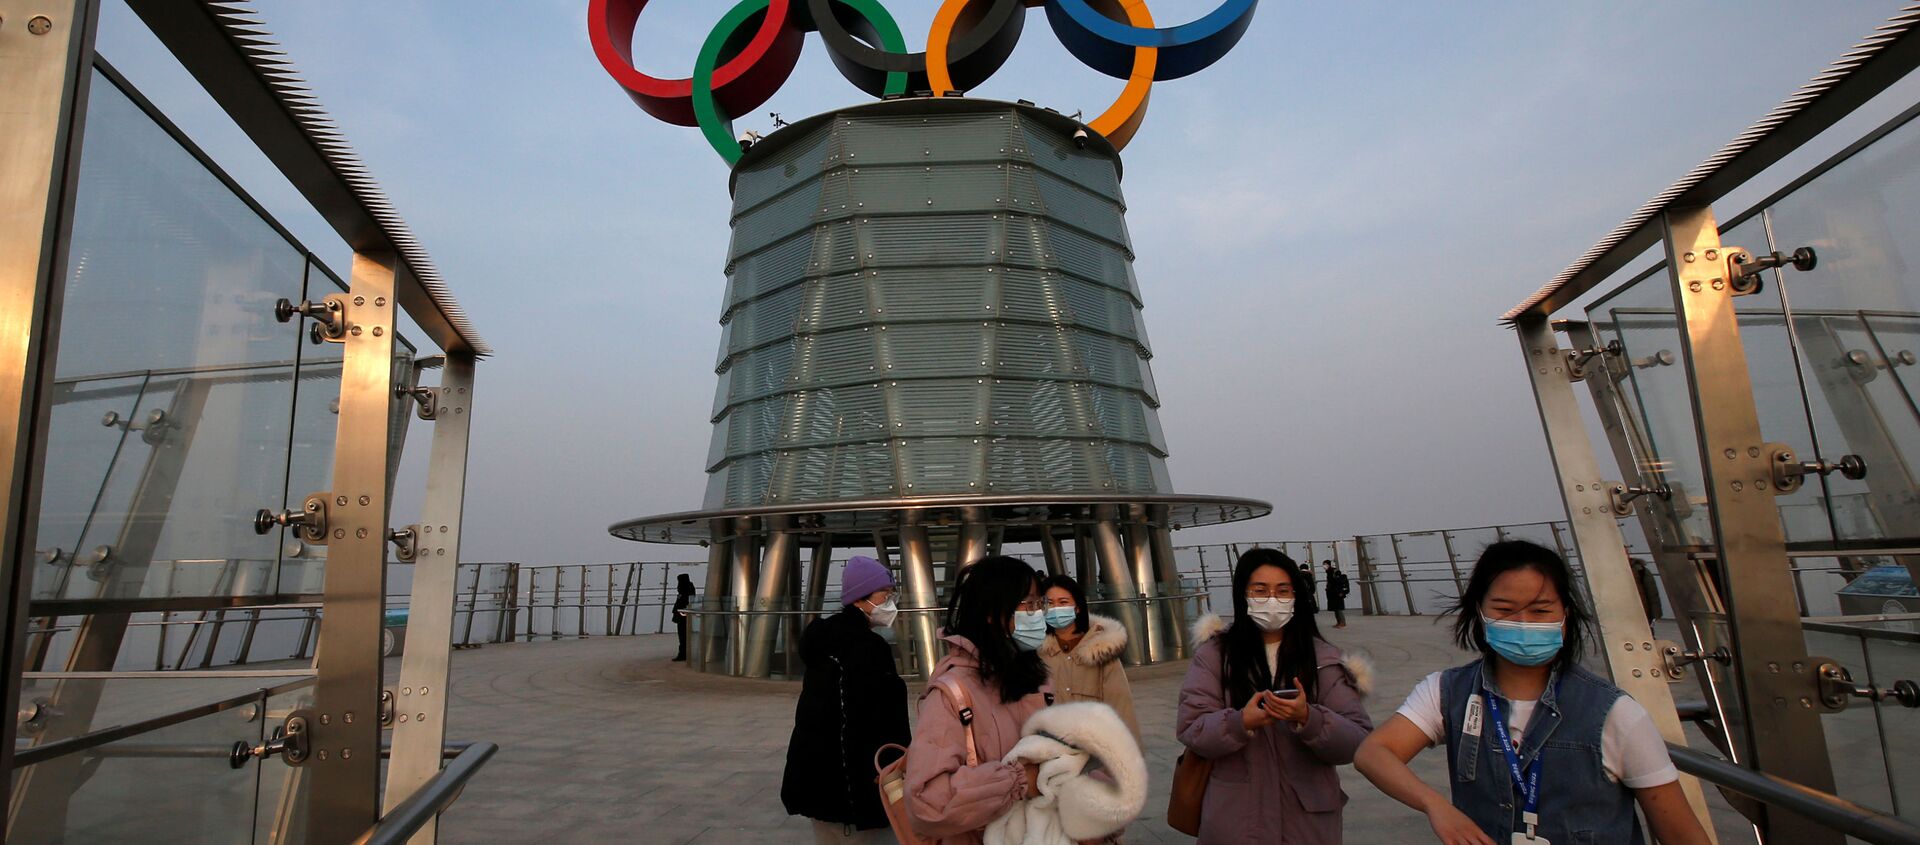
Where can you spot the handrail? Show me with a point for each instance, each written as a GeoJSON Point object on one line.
{"type": "Point", "coordinates": [71, 745]}
{"type": "Point", "coordinates": [1863, 632]}
{"type": "Point", "coordinates": [691, 611]}
{"type": "Point", "coordinates": [1839, 814]}
{"type": "Point", "coordinates": [430, 800]}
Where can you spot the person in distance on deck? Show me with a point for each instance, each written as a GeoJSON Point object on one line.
{"type": "Point", "coordinates": [683, 598]}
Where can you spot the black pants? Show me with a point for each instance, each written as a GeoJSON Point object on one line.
{"type": "Point", "coordinates": [680, 626]}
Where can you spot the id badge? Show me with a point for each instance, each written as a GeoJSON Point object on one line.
{"type": "Point", "coordinates": [1520, 837]}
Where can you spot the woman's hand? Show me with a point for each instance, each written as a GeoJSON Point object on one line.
{"type": "Point", "coordinates": [1293, 709]}
{"type": "Point", "coordinates": [1454, 828]}
{"type": "Point", "coordinates": [1031, 771]}
{"type": "Point", "coordinates": [1255, 715]}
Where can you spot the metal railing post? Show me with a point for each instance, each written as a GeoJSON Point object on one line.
{"type": "Point", "coordinates": [45, 96]}
{"type": "Point", "coordinates": [1400, 564]}
{"type": "Point", "coordinates": [1626, 641]}
{"type": "Point", "coordinates": [424, 664]}
{"type": "Point", "coordinates": [1696, 603]}
{"type": "Point", "coordinates": [345, 795]}
{"type": "Point", "coordinates": [1453, 563]}
{"type": "Point", "coordinates": [1783, 733]}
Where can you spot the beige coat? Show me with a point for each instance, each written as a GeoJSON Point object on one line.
{"type": "Point", "coordinates": [1091, 671]}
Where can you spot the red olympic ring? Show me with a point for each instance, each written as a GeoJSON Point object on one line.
{"type": "Point", "coordinates": [748, 79]}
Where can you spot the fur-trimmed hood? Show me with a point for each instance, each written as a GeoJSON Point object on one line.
{"type": "Point", "coordinates": [1103, 643]}
{"type": "Point", "coordinates": [1073, 804]}
{"type": "Point", "coordinates": [1358, 666]}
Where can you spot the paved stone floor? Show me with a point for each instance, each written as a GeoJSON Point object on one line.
{"type": "Point", "coordinates": [605, 740]}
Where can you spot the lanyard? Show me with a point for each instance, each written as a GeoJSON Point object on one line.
{"type": "Point", "coordinates": [1529, 785]}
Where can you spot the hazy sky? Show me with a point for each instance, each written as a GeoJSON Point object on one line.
{"type": "Point", "coordinates": [1328, 224]}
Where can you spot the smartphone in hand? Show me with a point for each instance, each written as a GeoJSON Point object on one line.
{"type": "Point", "coordinates": [1287, 693]}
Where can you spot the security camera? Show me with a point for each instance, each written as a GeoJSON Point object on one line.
{"type": "Point", "coordinates": [1080, 138]}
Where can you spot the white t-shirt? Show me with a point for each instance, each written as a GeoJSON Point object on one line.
{"type": "Point", "coordinates": [1631, 748]}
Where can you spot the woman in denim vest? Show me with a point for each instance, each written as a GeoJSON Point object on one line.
{"type": "Point", "coordinates": [1539, 750]}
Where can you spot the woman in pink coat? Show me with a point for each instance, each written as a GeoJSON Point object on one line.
{"type": "Point", "coordinates": [994, 626]}
{"type": "Point", "coordinates": [1276, 708]}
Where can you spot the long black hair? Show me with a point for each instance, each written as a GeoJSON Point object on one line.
{"type": "Point", "coordinates": [1504, 557]}
{"type": "Point", "coordinates": [984, 599]}
{"type": "Point", "coordinates": [1065, 582]}
{"type": "Point", "coordinates": [1245, 667]}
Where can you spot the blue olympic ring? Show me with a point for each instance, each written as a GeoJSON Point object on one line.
{"type": "Point", "coordinates": [1107, 45]}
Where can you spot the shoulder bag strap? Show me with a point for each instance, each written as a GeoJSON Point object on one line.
{"type": "Point", "coordinates": [963, 706]}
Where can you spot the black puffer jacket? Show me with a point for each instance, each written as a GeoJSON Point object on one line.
{"type": "Point", "coordinates": [851, 703]}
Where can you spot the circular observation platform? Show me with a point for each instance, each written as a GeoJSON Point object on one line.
{"type": "Point", "coordinates": [1023, 518]}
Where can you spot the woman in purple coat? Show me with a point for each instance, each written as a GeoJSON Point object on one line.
{"type": "Point", "coordinates": [1275, 708]}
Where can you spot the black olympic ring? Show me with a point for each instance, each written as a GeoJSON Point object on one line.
{"type": "Point", "coordinates": [985, 36]}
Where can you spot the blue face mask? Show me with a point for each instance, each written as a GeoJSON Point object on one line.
{"type": "Point", "coordinates": [1029, 629]}
{"type": "Point", "coordinates": [1061, 617]}
{"type": "Point", "coordinates": [1524, 643]}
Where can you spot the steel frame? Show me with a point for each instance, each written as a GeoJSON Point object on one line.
{"type": "Point", "coordinates": [1697, 608]}
{"type": "Point", "coordinates": [420, 704]}
{"type": "Point", "coordinates": [344, 798]}
{"type": "Point", "coordinates": [1782, 733]}
{"type": "Point", "coordinates": [1626, 640]}
{"type": "Point", "coordinates": [45, 99]}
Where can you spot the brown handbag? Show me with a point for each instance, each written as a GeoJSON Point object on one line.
{"type": "Point", "coordinates": [892, 777]}
{"type": "Point", "coordinates": [1190, 775]}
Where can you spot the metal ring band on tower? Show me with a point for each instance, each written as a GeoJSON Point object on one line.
{"type": "Point", "coordinates": [1105, 43]}
{"type": "Point", "coordinates": [1119, 122]}
{"type": "Point", "coordinates": [989, 30]}
{"type": "Point", "coordinates": [748, 79]}
{"type": "Point", "coordinates": [714, 118]}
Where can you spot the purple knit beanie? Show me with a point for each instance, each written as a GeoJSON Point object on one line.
{"type": "Point", "coordinates": [863, 577]}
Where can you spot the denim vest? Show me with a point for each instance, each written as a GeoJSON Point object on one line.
{"type": "Point", "coordinates": [1578, 804]}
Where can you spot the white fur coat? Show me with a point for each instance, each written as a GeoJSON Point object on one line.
{"type": "Point", "coordinates": [1074, 805]}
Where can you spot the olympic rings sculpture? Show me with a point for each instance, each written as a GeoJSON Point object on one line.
{"type": "Point", "coordinates": [753, 49]}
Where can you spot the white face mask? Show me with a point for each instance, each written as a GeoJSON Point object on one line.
{"type": "Point", "coordinates": [881, 616]}
{"type": "Point", "coordinates": [1270, 614]}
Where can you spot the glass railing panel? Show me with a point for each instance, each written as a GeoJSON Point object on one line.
{"type": "Point", "coordinates": [1856, 313]}
{"type": "Point", "coordinates": [1655, 397]}
{"type": "Point", "coordinates": [280, 817]}
{"type": "Point", "coordinates": [1862, 407]}
{"type": "Point", "coordinates": [87, 430]}
{"type": "Point", "coordinates": [173, 280]}
{"type": "Point", "coordinates": [175, 782]}
{"type": "Point", "coordinates": [1853, 735]}
{"type": "Point", "coordinates": [1423, 556]}
{"type": "Point", "coordinates": [1381, 576]}
{"type": "Point", "coordinates": [1779, 396]}
{"type": "Point", "coordinates": [1889, 661]}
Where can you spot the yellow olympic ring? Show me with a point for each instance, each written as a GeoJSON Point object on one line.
{"type": "Point", "coordinates": [1117, 123]}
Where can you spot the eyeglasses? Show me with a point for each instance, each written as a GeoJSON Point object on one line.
{"type": "Point", "coordinates": [1261, 592]}
{"type": "Point", "coordinates": [1032, 604]}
